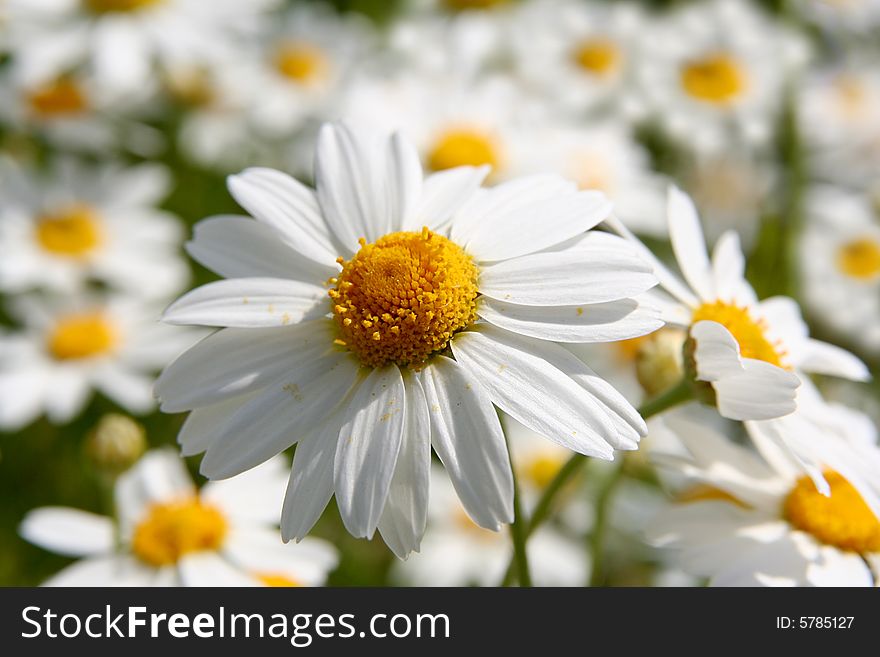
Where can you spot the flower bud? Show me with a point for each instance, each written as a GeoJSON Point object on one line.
{"type": "Point", "coordinates": [116, 443]}
{"type": "Point", "coordinates": [659, 360]}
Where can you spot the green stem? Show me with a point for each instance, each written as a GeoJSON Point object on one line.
{"type": "Point", "coordinates": [518, 532]}
{"type": "Point", "coordinates": [597, 536]}
{"type": "Point", "coordinates": [680, 393]}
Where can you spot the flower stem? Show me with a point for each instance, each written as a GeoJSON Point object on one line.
{"type": "Point", "coordinates": [680, 393]}
{"type": "Point", "coordinates": [518, 532]}
{"type": "Point", "coordinates": [597, 536]}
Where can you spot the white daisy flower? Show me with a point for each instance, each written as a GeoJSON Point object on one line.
{"type": "Point", "coordinates": [857, 16]}
{"type": "Point", "coordinates": [840, 120]}
{"type": "Point", "coordinates": [752, 352]}
{"type": "Point", "coordinates": [442, 298]}
{"type": "Point", "coordinates": [80, 223]}
{"type": "Point", "coordinates": [756, 522]}
{"type": "Point", "coordinates": [301, 67]}
{"type": "Point", "coordinates": [457, 552]}
{"type": "Point", "coordinates": [715, 73]}
{"type": "Point", "coordinates": [123, 41]}
{"type": "Point", "coordinates": [69, 348]}
{"type": "Point", "coordinates": [581, 56]}
{"type": "Point", "coordinates": [170, 533]}
{"type": "Point", "coordinates": [840, 264]}
{"type": "Point", "coordinates": [453, 122]}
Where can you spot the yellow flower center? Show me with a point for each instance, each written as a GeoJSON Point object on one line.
{"type": "Point", "coordinates": [465, 147]}
{"type": "Point", "coordinates": [278, 580]}
{"type": "Point", "coordinates": [716, 78]}
{"type": "Point", "coordinates": [175, 529]}
{"type": "Point", "coordinates": [852, 98]}
{"type": "Point", "coordinates": [82, 336]}
{"type": "Point", "coordinates": [302, 63]}
{"type": "Point", "coordinates": [401, 298]}
{"type": "Point", "coordinates": [542, 468]}
{"type": "Point", "coordinates": [860, 258]}
{"type": "Point", "coordinates": [749, 333]}
{"type": "Point", "coordinates": [59, 97]}
{"type": "Point", "coordinates": [599, 57]}
{"type": "Point", "coordinates": [463, 5]}
{"type": "Point", "coordinates": [73, 232]}
{"type": "Point", "coordinates": [108, 6]}
{"type": "Point", "coordinates": [842, 520]}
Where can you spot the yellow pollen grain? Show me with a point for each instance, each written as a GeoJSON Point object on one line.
{"type": "Point", "coordinates": [842, 520]}
{"type": "Point", "coordinates": [72, 232]}
{"type": "Point", "coordinates": [109, 6]}
{"type": "Point", "coordinates": [278, 580]}
{"type": "Point", "coordinates": [302, 63]}
{"type": "Point", "coordinates": [716, 78]}
{"type": "Point", "coordinates": [406, 294]}
{"type": "Point", "coordinates": [83, 335]}
{"type": "Point", "coordinates": [860, 258]}
{"type": "Point", "coordinates": [462, 147]}
{"type": "Point", "coordinates": [58, 98]}
{"type": "Point", "coordinates": [174, 529]}
{"type": "Point", "coordinates": [599, 57]}
{"type": "Point", "coordinates": [749, 333]}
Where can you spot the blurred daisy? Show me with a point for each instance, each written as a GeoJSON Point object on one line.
{"type": "Point", "coordinates": [301, 65]}
{"type": "Point", "coordinates": [582, 56]}
{"type": "Point", "coordinates": [123, 41]}
{"type": "Point", "coordinates": [752, 352]}
{"type": "Point", "coordinates": [715, 73]}
{"type": "Point", "coordinates": [850, 15]}
{"type": "Point", "coordinates": [457, 552]}
{"type": "Point", "coordinates": [840, 264]}
{"type": "Point", "coordinates": [453, 122]}
{"type": "Point", "coordinates": [170, 533]}
{"type": "Point", "coordinates": [840, 120]}
{"type": "Point", "coordinates": [442, 299]}
{"type": "Point", "coordinates": [754, 522]}
{"type": "Point", "coordinates": [68, 348]}
{"type": "Point", "coordinates": [80, 223]}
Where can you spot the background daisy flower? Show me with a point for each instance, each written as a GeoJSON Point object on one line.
{"type": "Point", "coordinates": [171, 534]}
{"type": "Point", "coordinates": [418, 335]}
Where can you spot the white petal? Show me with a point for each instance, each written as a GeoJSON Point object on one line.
{"type": "Point", "coordinates": [763, 391]}
{"type": "Point", "coordinates": [261, 551]}
{"type": "Point", "coordinates": [536, 226]}
{"type": "Point", "coordinates": [105, 571]}
{"type": "Point", "coordinates": [253, 497]}
{"type": "Point", "coordinates": [728, 271]}
{"type": "Point", "coordinates": [599, 322]}
{"type": "Point", "coordinates": [534, 392]}
{"type": "Point", "coordinates": [406, 512]}
{"type": "Point", "coordinates": [234, 361]}
{"type": "Point", "coordinates": [469, 440]}
{"type": "Point", "coordinates": [443, 193]}
{"type": "Point", "coordinates": [70, 532]}
{"type": "Point", "coordinates": [280, 415]}
{"type": "Point", "coordinates": [249, 303]}
{"type": "Point", "coordinates": [204, 424]}
{"type": "Point", "coordinates": [290, 207]}
{"type": "Point", "coordinates": [403, 181]}
{"type": "Point", "coordinates": [367, 450]}
{"type": "Point", "coordinates": [159, 476]}
{"type": "Point", "coordinates": [578, 276]}
{"type": "Point", "coordinates": [238, 247]}
{"type": "Point", "coordinates": [211, 569]}
{"type": "Point", "coordinates": [717, 351]}
{"type": "Point", "coordinates": [688, 243]}
{"type": "Point", "coordinates": [822, 358]}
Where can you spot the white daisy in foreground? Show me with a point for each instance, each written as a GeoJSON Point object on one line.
{"type": "Point", "coordinates": [170, 533]}
{"type": "Point", "coordinates": [751, 522]}
{"type": "Point", "coordinates": [79, 223]}
{"type": "Point", "coordinates": [840, 264]}
{"type": "Point", "coordinates": [457, 552]}
{"type": "Point", "coordinates": [123, 42]}
{"type": "Point", "coordinates": [70, 348]}
{"type": "Point", "coordinates": [715, 72]}
{"type": "Point", "coordinates": [581, 56]}
{"type": "Point", "coordinates": [751, 351]}
{"type": "Point", "coordinates": [442, 300]}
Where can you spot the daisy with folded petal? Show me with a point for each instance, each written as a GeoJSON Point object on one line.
{"type": "Point", "coordinates": [840, 264]}
{"type": "Point", "coordinates": [70, 348]}
{"type": "Point", "coordinates": [747, 519]}
{"type": "Point", "coordinates": [80, 223]}
{"type": "Point", "coordinates": [581, 55]}
{"type": "Point", "coordinates": [752, 352]}
{"type": "Point", "coordinates": [170, 533]}
{"type": "Point", "coordinates": [457, 552]}
{"type": "Point", "coordinates": [382, 314]}
{"type": "Point", "coordinates": [123, 42]}
{"type": "Point", "coordinates": [714, 74]}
